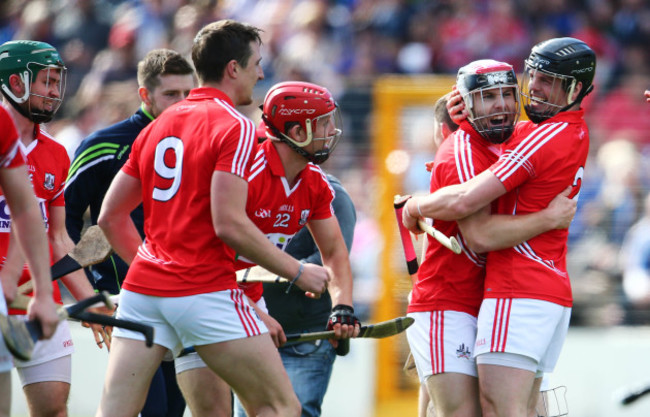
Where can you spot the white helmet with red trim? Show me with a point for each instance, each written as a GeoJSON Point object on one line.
{"type": "Point", "coordinates": [491, 95]}
{"type": "Point", "coordinates": [305, 117]}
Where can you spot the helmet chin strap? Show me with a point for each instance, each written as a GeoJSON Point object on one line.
{"type": "Point", "coordinates": [317, 158]}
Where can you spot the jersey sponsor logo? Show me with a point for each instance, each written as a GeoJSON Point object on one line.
{"type": "Point", "coordinates": [286, 207]}
{"type": "Point", "coordinates": [263, 213]}
{"type": "Point", "coordinates": [5, 214]}
{"type": "Point", "coordinates": [463, 352]}
{"type": "Point", "coordinates": [48, 182]}
{"type": "Point", "coordinates": [304, 216]}
{"type": "Point", "coordinates": [280, 240]}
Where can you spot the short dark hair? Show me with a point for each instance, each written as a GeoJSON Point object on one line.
{"type": "Point", "coordinates": [161, 62]}
{"type": "Point", "coordinates": [220, 42]}
{"type": "Point", "coordinates": [441, 114]}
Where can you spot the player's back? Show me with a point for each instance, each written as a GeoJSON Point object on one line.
{"type": "Point", "coordinates": [175, 158]}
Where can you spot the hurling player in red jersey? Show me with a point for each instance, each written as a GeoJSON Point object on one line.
{"type": "Point", "coordinates": [525, 314]}
{"type": "Point", "coordinates": [447, 295]}
{"type": "Point", "coordinates": [287, 191]}
{"type": "Point", "coordinates": [33, 83]}
{"type": "Point", "coordinates": [189, 169]}
{"type": "Point", "coordinates": [29, 232]}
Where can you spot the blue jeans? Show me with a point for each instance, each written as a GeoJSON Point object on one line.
{"type": "Point", "coordinates": [309, 365]}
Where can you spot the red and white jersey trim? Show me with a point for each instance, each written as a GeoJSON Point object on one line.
{"type": "Point", "coordinates": [513, 159]}
{"type": "Point", "coordinates": [526, 250]}
{"type": "Point", "coordinates": [463, 156]}
{"type": "Point", "coordinates": [244, 146]}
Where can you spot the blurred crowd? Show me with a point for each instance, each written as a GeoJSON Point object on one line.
{"type": "Point", "coordinates": [345, 45]}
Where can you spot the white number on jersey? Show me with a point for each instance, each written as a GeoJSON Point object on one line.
{"type": "Point", "coordinates": [168, 172]}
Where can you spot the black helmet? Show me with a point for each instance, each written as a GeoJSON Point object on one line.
{"type": "Point", "coordinates": [568, 61]}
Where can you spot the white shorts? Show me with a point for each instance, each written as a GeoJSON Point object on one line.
{"type": "Point", "coordinates": [442, 341]}
{"type": "Point", "coordinates": [532, 328]}
{"type": "Point", "coordinates": [59, 370]}
{"type": "Point", "coordinates": [58, 346]}
{"type": "Point", "coordinates": [6, 358]}
{"type": "Point", "coordinates": [193, 320]}
{"type": "Point", "coordinates": [193, 360]}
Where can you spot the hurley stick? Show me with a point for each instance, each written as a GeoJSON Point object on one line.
{"type": "Point", "coordinates": [92, 249]}
{"type": "Point", "coordinates": [375, 331]}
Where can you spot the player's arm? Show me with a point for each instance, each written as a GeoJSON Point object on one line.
{"type": "Point", "coordinates": [27, 222]}
{"type": "Point", "coordinates": [79, 192]}
{"type": "Point", "coordinates": [328, 237]}
{"type": "Point", "coordinates": [453, 202]}
{"type": "Point", "coordinates": [122, 197]}
{"type": "Point", "coordinates": [232, 225]}
{"type": "Point", "coordinates": [12, 268]}
{"type": "Point", "coordinates": [76, 282]}
{"type": "Point", "coordinates": [484, 232]}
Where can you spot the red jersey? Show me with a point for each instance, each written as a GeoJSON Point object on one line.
{"type": "Point", "coordinates": [174, 158]}
{"type": "Point", "coordinates": [447, 281]}
{"type": "Point", "coordinates": [280, 210]}
{"type": "Point", "coordinates": [47, 164]}
{"type": "Point", "coordinates": [538, 163]}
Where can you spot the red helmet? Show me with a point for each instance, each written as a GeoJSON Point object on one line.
{"type": "Point", "coordinates": [481, 82]}
{"type": "Point", "coordinates": [308, 105]}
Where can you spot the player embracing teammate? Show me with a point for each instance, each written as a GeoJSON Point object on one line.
{"type": "Point", "coordinates": [524, 316]}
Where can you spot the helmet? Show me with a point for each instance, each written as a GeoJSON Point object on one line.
{"type": "Point", "coordinates": [26, 59]}
{"type": "Point", "coordinates": [310, 106]}
{"type": "Point", "coordinates": [564, 61]}
{"type": "Point", "coordinates": [484, 85]}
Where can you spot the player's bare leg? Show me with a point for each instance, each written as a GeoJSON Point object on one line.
{"type": "Point", "coordinates": [253, 368]}
{"type": "Point", "coordinates": [205, 393]}
{"type": "Point", "coordinates": [47, 398]}
{"type": "Point", "coordinates": [454, 394]}
{"type": "Point", "coordinates": [535, 397]}
{"type": "Point", "coordinates": [5, 394]}
{"type": "Point", "coordinates": [504, 391]}
{"type": "Point", "coordinates": [131, 366]}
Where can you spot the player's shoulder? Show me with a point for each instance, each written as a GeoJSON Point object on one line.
{"type": "Point", "coordinates": [47, 142]}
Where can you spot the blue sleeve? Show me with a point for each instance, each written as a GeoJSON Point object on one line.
{"type": "Point", "coordinates": [302, 246]}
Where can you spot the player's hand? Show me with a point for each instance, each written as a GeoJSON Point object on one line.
{"type": "Point", "coordinates": [275, 329]}
{"type": "Point", "coordinates": [345, 325]}
{"type": "Point", "coordinates": [43, 309]}
{"type": "Point", "coordinates": [314, 279]}
{"type": "Point", "coordinates": [102, 334]}
{"type": "Point", "coordinates": [408, 219]}
{"type": "Point", "coordinates": [562, 209]}
{"type": "Point", "coordinates": [456, 106]}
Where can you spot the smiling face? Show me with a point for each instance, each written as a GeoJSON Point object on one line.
{"type": "Point", "coordinates": [545, 94]}
{"type": "Point", "coordinates": [494, 111]}
{"type": "Point", "coordinates": [45, 92]}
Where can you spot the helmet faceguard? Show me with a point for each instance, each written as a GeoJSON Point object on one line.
{"type": "Point", "coordinates": [490, 93]}
{"type": "Point", "coordinates": [553, 72]}
{"type": "Point", "coordinates": [33, 62]}
{"type": "Point", "coordinates": [313, 109]}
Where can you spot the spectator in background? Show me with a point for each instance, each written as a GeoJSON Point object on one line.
{"type": "Point", "coordinates": [634, 259]}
